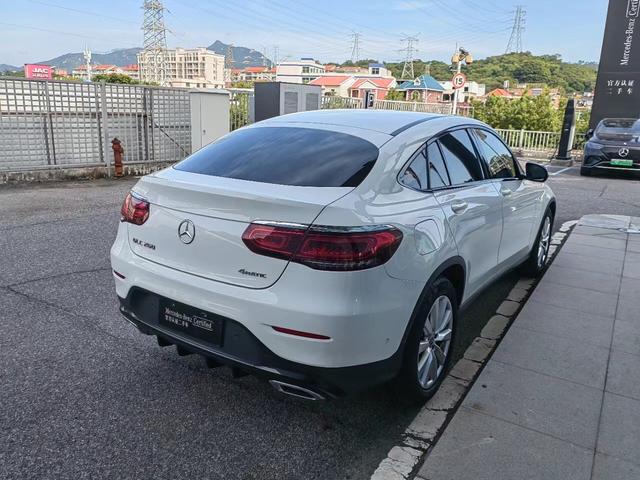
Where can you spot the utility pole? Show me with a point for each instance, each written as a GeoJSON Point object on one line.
{"type": "Point", "coordinates": [515, 39]}
{"type": "Point", "coordinates": [355, 50]}
{"type": "Point", "coordinates": [276, 51]}
{"type": "Point", "coordinates": [154, 48]}
{"type": "Point", "coordinates": [409, 50]}
{"type": "Point", "coordinates": [87, 60]}
{"type": "Point", "coordinates": [461, 55]}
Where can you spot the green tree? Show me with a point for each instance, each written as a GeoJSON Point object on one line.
{"type": "Point", "coordinates": [114, 78]}
{"type": "Point", "coordinates": [394, 94]}
{"type": "Point", "coordinates": [525, 113]}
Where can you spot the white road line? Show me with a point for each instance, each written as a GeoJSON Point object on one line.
{"type": "Point", "coordinates": [560, 171]}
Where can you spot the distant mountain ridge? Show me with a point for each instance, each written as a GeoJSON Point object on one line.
{"type": "Point", "coordinates": [8, 68]}
{"type": "Point", "coordinates": [242, 57]}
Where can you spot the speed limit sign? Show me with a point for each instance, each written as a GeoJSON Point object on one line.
{"type": "Point", "coordinates": [459, 80]}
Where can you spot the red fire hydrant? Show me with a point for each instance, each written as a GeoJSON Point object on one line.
{"type": "Point", "coordinates": [118, 151]}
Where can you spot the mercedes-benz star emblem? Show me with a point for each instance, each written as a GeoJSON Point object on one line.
{"type": "Point", "coordinates": [623, 152]}
{"type": "Point", "coordinates": [186, 231]}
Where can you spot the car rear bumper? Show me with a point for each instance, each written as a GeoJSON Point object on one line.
{"type": "Point", "coordinates": [242, 351]}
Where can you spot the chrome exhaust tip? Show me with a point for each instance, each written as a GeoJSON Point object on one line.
{"type": "Point", "coordinates": [296, 390]}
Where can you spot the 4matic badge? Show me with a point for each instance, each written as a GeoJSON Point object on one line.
{"type": "Point", "coordinates": [252, 274]}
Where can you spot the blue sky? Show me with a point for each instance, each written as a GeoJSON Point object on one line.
{"type": "Point", "coordinates": [35, 30]}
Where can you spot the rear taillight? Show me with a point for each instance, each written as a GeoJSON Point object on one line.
{"type": "Point", "coordinates": [325, 248]}
{"type": "Point", "coordinates": [134, 209]}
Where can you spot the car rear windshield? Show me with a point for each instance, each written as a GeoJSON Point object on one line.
{"type": "Point", "coordinates": [286, 156]}
{"type": "Point", "coordinates": [619, 125]}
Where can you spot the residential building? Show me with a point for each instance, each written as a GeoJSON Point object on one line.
{"type": "Point", "coordinates": [301, 71]}
{"type": "Point", "coordinates": [471, 90]}
{"type": "Point", "coordinates": [376, 78]}
{"type": "Point", "coordinates": [132, 71]}
{"type": "Point", "coordinates": [500, 92]}
{"type": "Point", "coordinates": [334, 85]}
{"type": "Point", "coordinates": [190, 68]}
{"type": "Point", "coordinates": [378, 86]}
{"type": "Point", "coordinates": [425, 89]}
{"type": "Point", "coordinates": [253, 74]}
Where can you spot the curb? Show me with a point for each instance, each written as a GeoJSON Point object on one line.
{"type": "Point", "coordinates": [422, 433]}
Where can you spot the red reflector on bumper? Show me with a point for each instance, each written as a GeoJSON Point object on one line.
{"type": "Point", "coordinates": [119, 275]}
{"type": "Point", "coordinates": [298, 333]}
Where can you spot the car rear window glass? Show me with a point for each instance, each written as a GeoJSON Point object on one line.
{"type": "Point", "coordinates": [619, 125]}
{"type": "Point", "coordinates": [496, 155]}
{"type": "Point", "coordinates": [460, 157]}
{"type": "Point", "coordinates": [415, 175]}
{"type": "Point", "coordinates": [437, 171]}
{"type": "Point", "coordinates": [286, 156]}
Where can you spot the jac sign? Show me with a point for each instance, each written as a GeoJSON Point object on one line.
{"type": "Point", "coordinates": [618, 86]}
{"type": "Point", "coordinates": [38, 72]}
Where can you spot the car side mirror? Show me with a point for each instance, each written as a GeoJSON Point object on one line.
{"type": "Point", "coordinates": [536, 173]}
{"type": "Point", "coordinates": [589, 134]}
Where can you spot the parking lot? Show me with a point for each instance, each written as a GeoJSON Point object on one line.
{"type": "Point", "coordinates": [85, 395]}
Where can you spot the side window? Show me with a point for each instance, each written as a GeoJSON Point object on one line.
{"type": "Point", "coordinates": [415, 174]}
{"type": "Point", "coordinates": [460, 157]}
{"type": "Point", "coordinates": [498, 158]}
{"type": "Point", "coordinates": [438, 176]}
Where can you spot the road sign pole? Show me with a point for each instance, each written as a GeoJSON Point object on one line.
{"type": "Point", "coordinates": [454, 110]}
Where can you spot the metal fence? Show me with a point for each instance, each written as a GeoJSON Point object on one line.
{"type": "Point", "coordinates": [531, 141]}
{"type": "Point", "coordinates": [48, 124]}
{"type": "Point", "coordinates": [441, 108]}
{"type": "Point", "coordinates": [240, 107]}
{"type": "Point", "coordinates": [340, 102]}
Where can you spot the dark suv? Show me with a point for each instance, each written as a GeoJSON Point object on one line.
{"type": "Point", "coordinates": [614, 145]}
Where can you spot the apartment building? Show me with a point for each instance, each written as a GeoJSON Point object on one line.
{"type": "Point", "coordinates": [189, 68]}
{"type": "Point", "coordinates": [301, 71]}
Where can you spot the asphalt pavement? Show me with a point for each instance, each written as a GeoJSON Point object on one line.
{"type": "Point", "coordinates": [83, 394]}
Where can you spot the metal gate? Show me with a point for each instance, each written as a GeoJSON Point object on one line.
{"type": "Point", "coordinates": [49, 124]}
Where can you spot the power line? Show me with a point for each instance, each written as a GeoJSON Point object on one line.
{"type": "Point", "coordinates": [84, 12]}
{"type": "Point", "coordinates": [515, 40]}
{"type": "Point", "coordinates": [154, 48]}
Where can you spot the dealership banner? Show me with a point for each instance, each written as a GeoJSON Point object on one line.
{"type": "Point", "coordinates": [617, 91]}
{"type": "Point", "coordinates": [38, 72]}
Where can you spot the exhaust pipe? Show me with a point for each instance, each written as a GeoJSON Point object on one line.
{"type": "Point", "coordinates": [295, 390]}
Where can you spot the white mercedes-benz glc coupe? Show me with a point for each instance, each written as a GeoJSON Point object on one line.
{"type": "Point", "coordinates": [329, 251]}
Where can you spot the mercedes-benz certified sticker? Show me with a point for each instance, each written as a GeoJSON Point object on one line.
{"type": "Point", "coordinates": [186, 231]}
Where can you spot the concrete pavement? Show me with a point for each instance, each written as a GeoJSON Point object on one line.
{"type": "Point", "coordinates": [560, 398]}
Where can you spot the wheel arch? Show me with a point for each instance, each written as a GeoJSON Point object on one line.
{"type": "Point", "coordinates": [455, 271]}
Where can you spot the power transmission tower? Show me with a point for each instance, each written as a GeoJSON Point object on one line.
{"type": "Point", "coordinates": [515, 40]}
{"type": "Point", "coordinates": [409, 50]}
{"type": "Point", "coordinates": [87, 60]}
{"type": "Point", "coordinates": [355, 50]}
{"type": "Point", "coordinates": [228, 63]}
{"type": "Point", "coordinates": [154, 47]}
{"type": "Point", "coordinates": [276, 52]}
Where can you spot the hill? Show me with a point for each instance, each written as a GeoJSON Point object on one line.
{"type": "Point", "coordinates": [8, 68]}
{"type": "Point", "coordinates": [120, 57]}
{"type": "Point", "coordinates": [517, 68]}
{"type": "Point", "coordinates": [242, 57]}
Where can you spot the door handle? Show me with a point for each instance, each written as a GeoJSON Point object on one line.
{"type": "Point", "coordinates": [505, 192]}
{"type": "Point", "coordinates": [459, 207]}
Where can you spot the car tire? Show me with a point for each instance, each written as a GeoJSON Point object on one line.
{"type": "Point", "coordinates": [432, 331]}
{"type": "Point", "coordinates": [585, 172]}
{"type": "Point", "coordinates": [537, 261]}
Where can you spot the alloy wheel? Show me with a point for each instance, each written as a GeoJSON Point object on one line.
{"type": "Point", "coordinates": [435, 342]}
{"type": "Point", "coordinates": [543, 244]}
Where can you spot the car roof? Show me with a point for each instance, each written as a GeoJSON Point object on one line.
{"type": "Point", "coordinates": [389, 122]}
